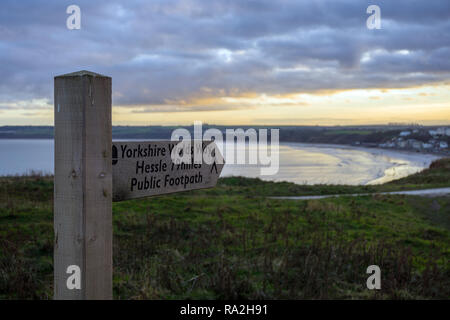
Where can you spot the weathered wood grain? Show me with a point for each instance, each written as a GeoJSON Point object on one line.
{"type": "Point", "coordinates": [83, 184]}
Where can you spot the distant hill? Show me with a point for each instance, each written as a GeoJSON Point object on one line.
{"type": "Point", "coordinates": [26, 132]}
{"type": "Point", "coordinates": [359, 135]}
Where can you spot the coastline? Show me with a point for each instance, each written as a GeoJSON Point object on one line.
{"type": "Point", "coordinates": [409, 163]}
{"type": "Point", "coordinates": [368, 149]}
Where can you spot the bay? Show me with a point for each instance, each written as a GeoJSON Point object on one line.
{"type": "Point", "coordinates": [299, 163]}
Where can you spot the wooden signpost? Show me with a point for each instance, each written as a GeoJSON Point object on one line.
{"type": "Point", "coordinates": [91, 171]}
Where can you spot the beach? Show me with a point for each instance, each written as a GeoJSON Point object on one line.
{"type": "Point", "coordinates": [303, 163]}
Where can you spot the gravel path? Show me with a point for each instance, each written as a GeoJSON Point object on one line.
{"type": "Point", "coordinates": [423, 192]}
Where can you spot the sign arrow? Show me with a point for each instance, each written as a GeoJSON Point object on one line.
{"type": "Point", "coordinates": [214, 166]}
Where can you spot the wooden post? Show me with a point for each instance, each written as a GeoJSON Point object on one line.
{"type": "Point", "coordinates": [83, 186]}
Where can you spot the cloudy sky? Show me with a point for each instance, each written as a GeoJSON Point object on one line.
{"type": "Point", "coordinates": [255, 62]}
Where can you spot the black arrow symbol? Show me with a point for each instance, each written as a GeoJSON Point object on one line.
{"type": "Point", "coordinates": [214, 166]}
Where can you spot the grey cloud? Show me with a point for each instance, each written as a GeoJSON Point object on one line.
{"type": "Point", "coordinates": [159, 51]}
{"type": "Point", "coordinates": [172, 108]}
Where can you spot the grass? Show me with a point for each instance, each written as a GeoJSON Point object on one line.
{"type": "Point", "coordinates": [233, 242]}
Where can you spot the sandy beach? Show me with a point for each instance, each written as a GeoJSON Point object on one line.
{"type": "Point", "coordinates": [338, 164]}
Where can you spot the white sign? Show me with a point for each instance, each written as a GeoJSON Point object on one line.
{"type": "Point", "coordinates": [146, 168]}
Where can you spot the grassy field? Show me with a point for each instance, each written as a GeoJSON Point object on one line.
{"type": "Point", "coordinates": [233, 242]}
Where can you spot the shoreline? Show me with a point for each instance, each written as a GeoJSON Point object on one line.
{"type": "Point", "coordinates": [430, 192]}
{"type": "Point", "coordinates": [368, 149]}
{"type": "Point", "coordinates": [412, 162]}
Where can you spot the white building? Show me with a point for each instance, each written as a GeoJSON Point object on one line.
{"type": "Point", "coordinates": [427, 145]}
{"type": "Point", "coordinates": [441, 131]}
{"type": "Point", "coordinates": [405, 133]}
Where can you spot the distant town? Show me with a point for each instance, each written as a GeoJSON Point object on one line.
{"type": "Point", "coordinates": [421, 139]}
